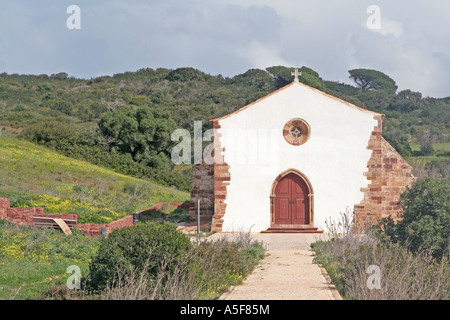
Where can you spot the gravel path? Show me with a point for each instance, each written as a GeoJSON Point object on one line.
{"type": "Point", "coordinates": [286, 273]}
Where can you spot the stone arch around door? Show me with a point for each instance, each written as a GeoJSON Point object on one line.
{"type": "Point", "coordinates": [291, 202]}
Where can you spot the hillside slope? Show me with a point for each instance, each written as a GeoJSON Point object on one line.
{"type": "Point", "coordinates": [33, 175]}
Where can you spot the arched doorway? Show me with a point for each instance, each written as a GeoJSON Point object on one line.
{"type": "Point", "coordinates": [292, 201]}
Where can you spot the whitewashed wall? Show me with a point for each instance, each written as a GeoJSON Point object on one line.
{"type": "Point", "coordinates": [334, 158]}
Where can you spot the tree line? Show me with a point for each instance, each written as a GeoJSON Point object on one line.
{"type": "Point", "coordinates": [125, 121]}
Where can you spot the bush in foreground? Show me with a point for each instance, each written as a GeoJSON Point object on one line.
{"type": "Point", "coordinates": [402, 275]}
{"type": "Point", "coordinates": [204, 272]}
{"type": "Point", "coordinates": [367, 267]}
{"type": "Point", "coordinates": [139, 248]}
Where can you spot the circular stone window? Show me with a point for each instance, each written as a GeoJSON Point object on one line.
{"type": "Point", "coordinates": [296, 131]}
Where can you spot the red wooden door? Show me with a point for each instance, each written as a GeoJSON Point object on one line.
{"type": "Point", "coordinates": [291, 201]}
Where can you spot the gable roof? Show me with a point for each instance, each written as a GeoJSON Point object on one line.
{"type": "Point", "coordinates": [292, 84]}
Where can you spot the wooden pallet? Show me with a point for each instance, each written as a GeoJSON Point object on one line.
{"type": "Point", "coordinates": [65, 225]}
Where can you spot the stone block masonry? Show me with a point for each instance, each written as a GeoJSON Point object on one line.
{"type": "Point", "coordinates": [210, 183]}
{"type": "Point", "coordinates": [388, 175]}
{"type": "Point", "coordinates": [222, 179]}
{"type": "Point", "coordinates": [203, 190]}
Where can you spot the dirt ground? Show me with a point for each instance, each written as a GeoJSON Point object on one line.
{"type": "Point", "coordinates": [286, 273]}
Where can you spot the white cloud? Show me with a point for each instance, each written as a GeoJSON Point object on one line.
{"type": "Point", "coordinates": [261, 56]}
{"type": "Point", "coordinates": [387, 27]}
{"type": "Point", "coordinates": [417, 71]}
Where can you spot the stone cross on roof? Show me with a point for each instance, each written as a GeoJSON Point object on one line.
{"type": "Point", "coordinates": [296, 73]}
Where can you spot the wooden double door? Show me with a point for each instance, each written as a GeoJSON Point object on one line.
{"type": "Point", "coordinates": [291, 201]}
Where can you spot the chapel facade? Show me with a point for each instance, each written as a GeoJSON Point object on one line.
{"type": "Point", "coordinates": [294, 159]}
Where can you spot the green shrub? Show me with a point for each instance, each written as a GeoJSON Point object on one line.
{"type": "Point", "coordinates": [426, 218]}
{"type": "Point", "coordinates": [142, 247]}
{"type": "Point", "coordinates": [204, 272]}
{"type": "Point", "coordinates": [50, 132]}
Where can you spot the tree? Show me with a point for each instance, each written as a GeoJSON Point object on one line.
{"type": "Point", "coordinates": [372, 80]}
{"type": "Point", "coordinates": [255, 78]}
{"type": "Point", "coordinates": [186, 74]}
{"type": "Point", "coordinates": [60, 105]}
{"type": "Point", "coordinates": [398, 140]}
{"type": "Point", "coordinates": [143, 132]}
{"type": "Point", "coordinates": [311, 78]}
{"type": "Point", "coordinates": [426, 141]}
{"type": "Point", "coordinates": [407, 101]}
{"type": "Point", "coordinates": [282, 76]}
{"type": "Point", "coordinates": [140, 100]}
{"type": "Point", "coordinates": [375, 100]}
{"type": "Point", "coordinates": [60, 76]}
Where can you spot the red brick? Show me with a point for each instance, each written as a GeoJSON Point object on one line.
{"type": "Point", "coordinates": [385, 184]}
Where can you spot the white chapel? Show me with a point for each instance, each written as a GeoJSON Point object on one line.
{"type": "Point", "coordinates": [294, 159]}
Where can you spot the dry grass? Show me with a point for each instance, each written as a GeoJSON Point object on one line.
{"type": "Point", "coordinates": [173, 282]}
{"type": "Point", "coordinates": [348, 256]}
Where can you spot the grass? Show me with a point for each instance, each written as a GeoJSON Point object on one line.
{"type": "Point", "coordinates": [34, 175]}
{"type": "Point", "coordinates": [34, 259]}
{"type": "Point", "coordinates": [34, 264]}
{"type": "Point", "coordinates": [441, 146]}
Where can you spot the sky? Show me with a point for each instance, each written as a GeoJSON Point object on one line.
{"type": "Point", "coordinates": [409, 40]}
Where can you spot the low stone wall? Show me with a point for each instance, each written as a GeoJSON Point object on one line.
{"type": "Point", "coordinates": [24, 216]}
{"type": "Point", "coordinates": [95, 230]}
{"type": "Point", "coordinates": [5, 203]}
